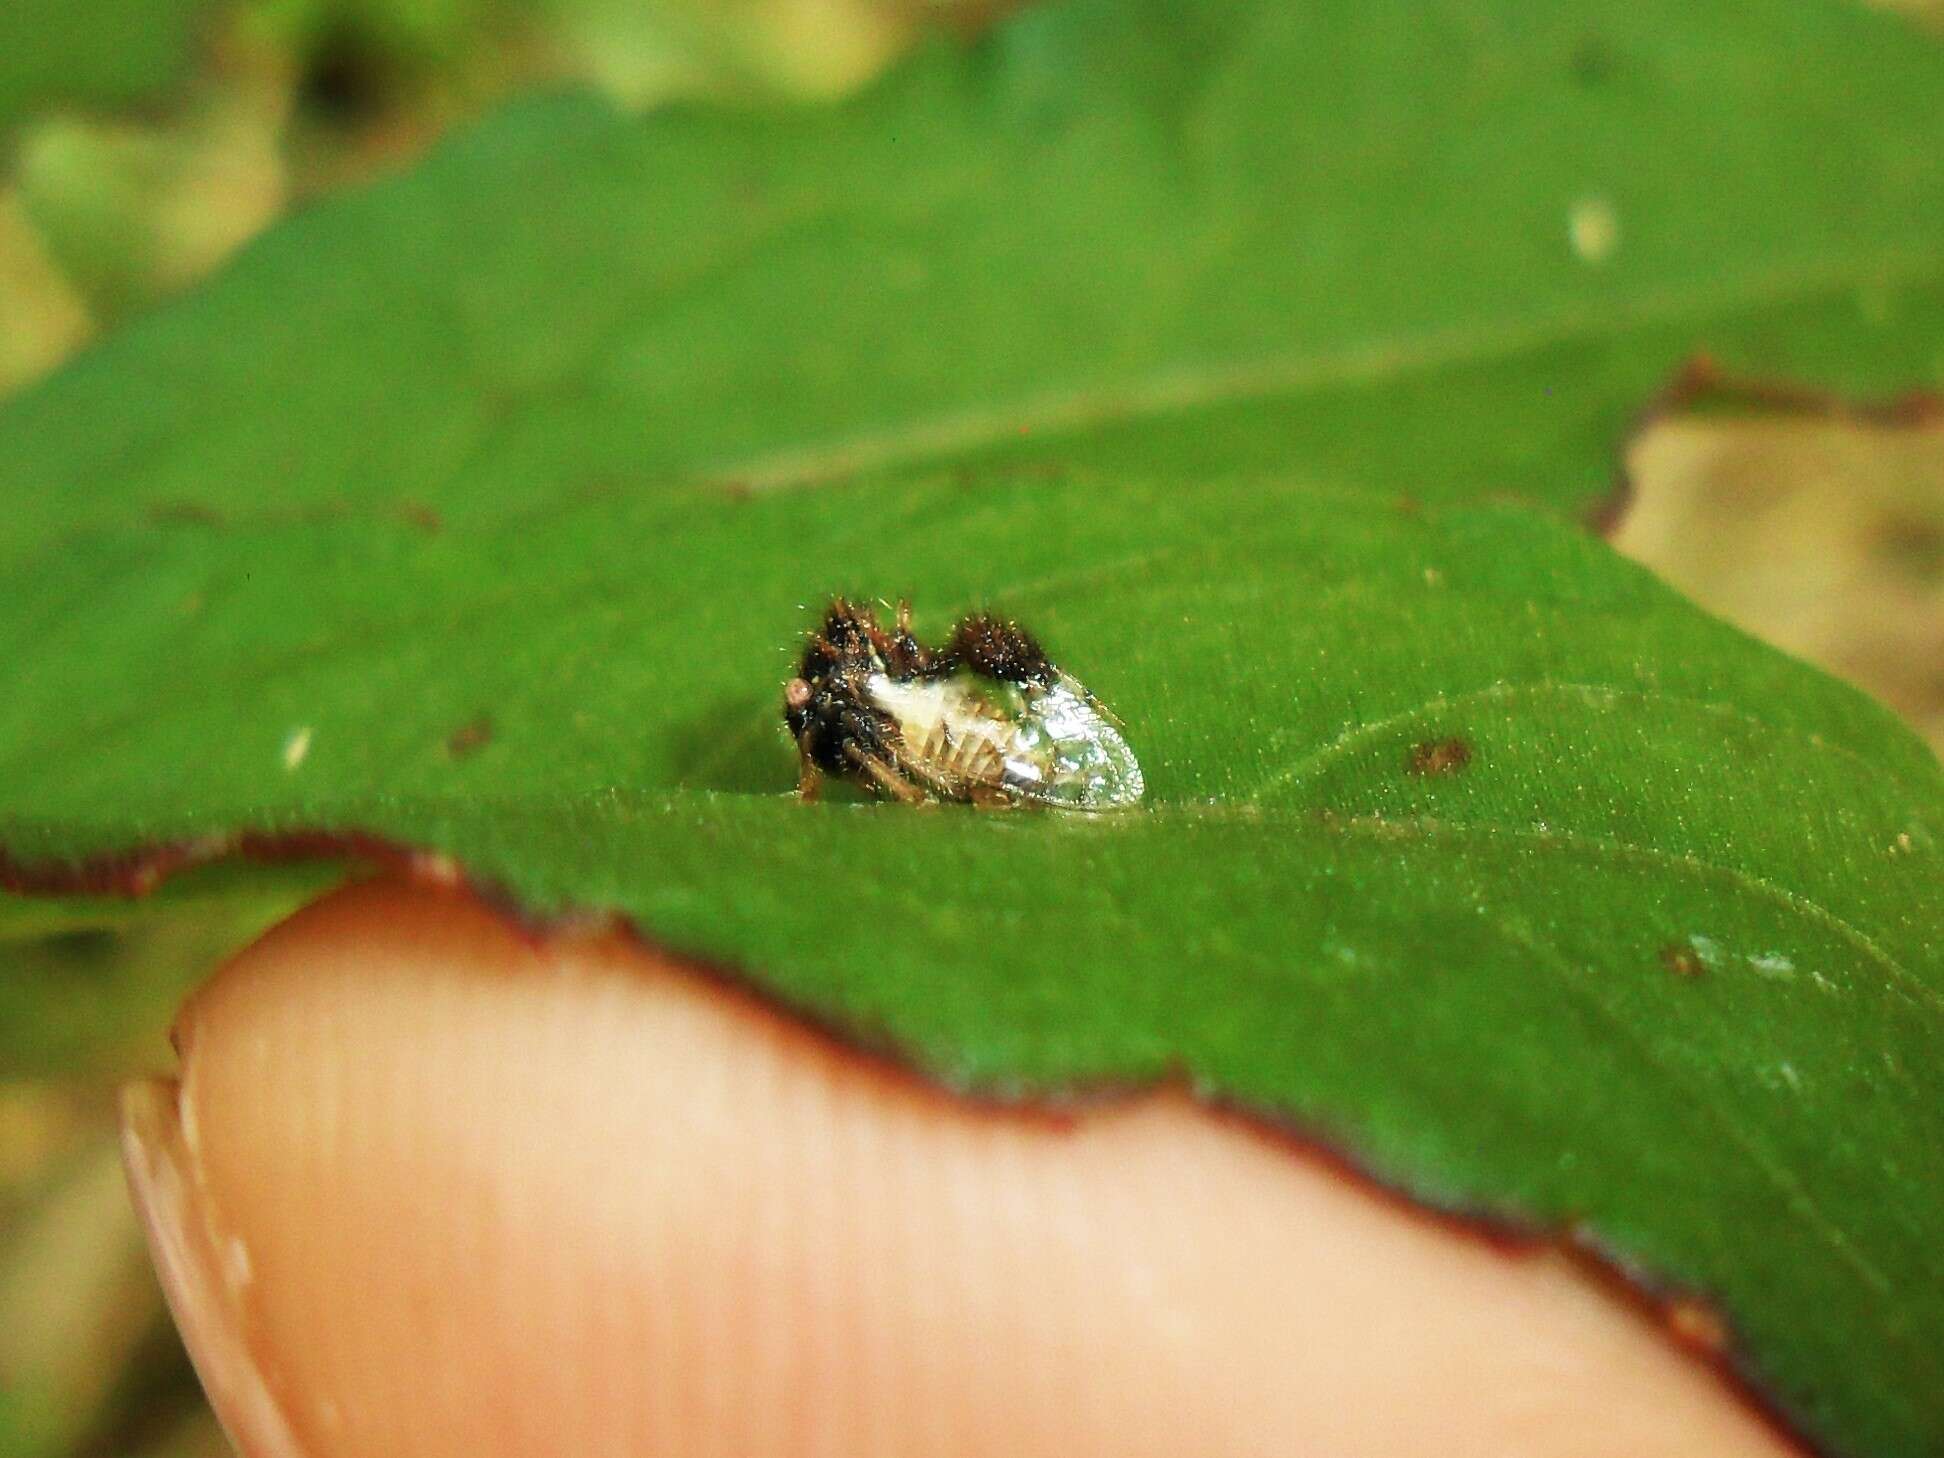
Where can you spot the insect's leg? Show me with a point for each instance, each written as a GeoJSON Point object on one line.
{"type": "Point", "coordinates": [809, 777]}
{"type": "Point", "coordinates": [902, 652]}
{"type": "Point", "coordinates": [864, 746]}
{"type": "Point", "coordinates": [859, 730]}
{"type": "Point", "coordinates": [991, 797]}
{"type": "Point", "coordinates": [888, 779]}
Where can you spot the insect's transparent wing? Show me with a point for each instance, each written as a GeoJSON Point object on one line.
{"type": "Point", "coordinates": [1065, 752]}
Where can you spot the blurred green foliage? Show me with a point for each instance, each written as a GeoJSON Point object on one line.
{"type": "Point", "coordinates": [244, 107]}
{"type": "Point", "coordinates": [99, 55]}
{"type": "Point", "coordinates": [89, 1363]}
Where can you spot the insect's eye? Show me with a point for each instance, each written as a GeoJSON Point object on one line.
{"type": "Point", "coordinates": [797, 693]}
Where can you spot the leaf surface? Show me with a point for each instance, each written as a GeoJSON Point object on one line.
{"type": "Point", "coordinates": [1249, 360]}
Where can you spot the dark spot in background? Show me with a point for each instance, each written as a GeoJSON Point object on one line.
{"type": "Point", "coordinates": [1593, 61]}
{"type": "Point", "coordinates": [1682, 960]}
{"type": "Point", "coordinates": [1912, 547]}
{"type": "Point", "coordinates": [474, 735]}
{"type": "Point", "coordinates": [1439, 757]}
{"type": "Point", "coordinates": [347, 79]}
{"type": "Point", "coordinates": [183, 513]}
{"type": "Point", "coordinates": [81, 945]}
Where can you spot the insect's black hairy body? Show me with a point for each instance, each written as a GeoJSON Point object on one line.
{"type": "Point", "coordinates": [997, 649]}
{"type": "Point", "coordinates": [832, 718]}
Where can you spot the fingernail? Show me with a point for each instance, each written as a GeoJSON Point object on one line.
{"type": "Point", "coordinates": [204, 1271]}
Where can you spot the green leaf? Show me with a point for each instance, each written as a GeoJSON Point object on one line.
{"type": "Point", "coordinates": [1249, 360]}
{"type": "Point", "coordinates": [1461, 978]}
{"type": "Point", "coordinates": [100, 54]}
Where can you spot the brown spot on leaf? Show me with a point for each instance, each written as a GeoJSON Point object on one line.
{"type": "Point", "coordinates": [470, 737]}
{"type": "Point", "coordinates": [184, 513]}
{"type": "Point", "coordinates": [1439, 757]}
{"type": "Point", "coordinates": [418, 514]}
{"type": "Point", "coordinates": [1682, 960]}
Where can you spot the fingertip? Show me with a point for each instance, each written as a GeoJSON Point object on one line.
{"type": "Point", "coordinates": [432, 1186]}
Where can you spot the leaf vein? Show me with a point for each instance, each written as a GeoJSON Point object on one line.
{"type": "Point", "coordinates": [1792, 1190]}
{"type": "Point", "coordinates": [1183, 387]}
{"type": "Point", "coordinates": [1592, 694]}
{"type": "Point", "coordinates": [1804, 906]}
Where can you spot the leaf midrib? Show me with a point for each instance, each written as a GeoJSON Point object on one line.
{"type": "Point", "coordinates": [1184, 386]}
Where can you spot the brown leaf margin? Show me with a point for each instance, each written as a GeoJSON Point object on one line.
{"type": "Point", "coordinates": [1701, 385]}
{"type": "Point", "coordinates": [1687, 1318]}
